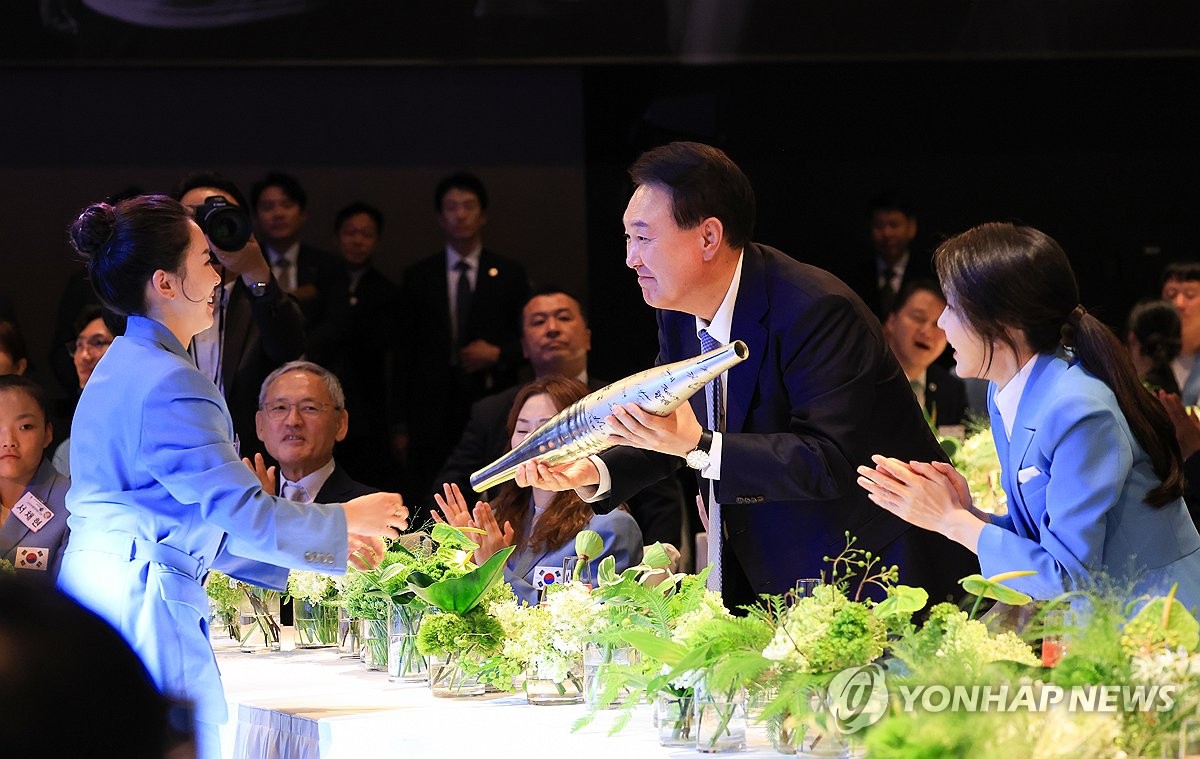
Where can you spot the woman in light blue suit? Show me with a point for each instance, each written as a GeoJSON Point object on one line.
{"type": "Point", "coordinates": [541, 523]}
{"type": "Point", "coordinates": [159, 495]}
{"type": "Point", "coordinates": [1089, 459]}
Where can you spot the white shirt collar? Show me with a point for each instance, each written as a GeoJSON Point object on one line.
{"type": "Point", "coordinates": [1008, 398]}
{"type": "Point", "coordinates": [291, 254]}
{"type": "Point", "coordinates": [898, 267]}
{"type": "Point", "coordinates": [452, 258]}
{"type": "Point", "coordinates": [313, 481]}
{"type": "Point", "coordinates": [721, 326]}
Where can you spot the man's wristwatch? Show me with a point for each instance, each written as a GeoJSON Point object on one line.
{"type": "Point", "coordinates": [259, 289]}
{"type": "Point", "coordinates": [697, 458]}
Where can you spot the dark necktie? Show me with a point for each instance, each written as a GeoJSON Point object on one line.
{"type": "Point", "coordinates": [462, 301]}
{"type": "Point", "coordinates": [716, 534]}
{"type": "Point", "coordinates": [887, 294]}
{"type": "Point", "coordinates": [707, 343]}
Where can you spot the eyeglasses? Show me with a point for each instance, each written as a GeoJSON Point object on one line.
{"type": "Point", "coordinates": [96, 343]}
{"type": "Point", "coordinates": [278, 411]}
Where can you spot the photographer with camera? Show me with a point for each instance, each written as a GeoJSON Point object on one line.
{"type": "Point", "coordinates": [257, 327]}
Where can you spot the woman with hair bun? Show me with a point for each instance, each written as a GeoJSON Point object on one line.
{"type": "Point", "coordinates": [159, 495]}
{"type": "Point", "coordinates": [1089, 460]}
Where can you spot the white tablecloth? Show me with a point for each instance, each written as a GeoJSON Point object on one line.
{"type": "Point", "coordinates": [309, 704]}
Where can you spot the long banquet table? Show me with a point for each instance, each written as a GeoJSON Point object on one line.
{"type": "Point", "coordinates": [309, 704]}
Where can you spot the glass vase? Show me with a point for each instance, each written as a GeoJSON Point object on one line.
{"type": "Point", "coordinates": [544, 688]}
{"type": "Point", "coordinates": [721, 721]}
{"type": "Point", "coordinates": [448, 679]}
{"type": "Point", "coordinates": [349, 643]}
{"type": "Point", "coordinates": [598, 658]}
{"type": "Point", "coordinates": [375, 644]}
{"type": "Point", "coordinates": [316, 624]}
{"type": "Point", "coordinates": [674, 715]}
{"type": "Point", "coordinates": [405, 663]}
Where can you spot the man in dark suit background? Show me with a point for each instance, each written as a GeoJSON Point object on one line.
{"type": "Point", "coordinates": [460, 331]}
{"type": "Point", "coordinates": [556, 340]}
{"type": "Point", "coordinates": [358, 343]}
{"type": "Point", "coordinates": [819, 393]}
{"type": "Point", "coordinates": [879, 278]}
{"type": "Point", "coordinates": [257, 327]}
{"type": "Point", "coordinates": [280, 207]}
{"type": "Point", "coordinates": [914, 336]}
{"type": "Point", "coordinates": [302, 414]}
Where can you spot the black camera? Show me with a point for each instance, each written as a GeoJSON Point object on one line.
{"type": "Point", "coordinates": [225, 224]}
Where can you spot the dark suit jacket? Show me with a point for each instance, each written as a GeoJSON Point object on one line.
{"type": "Point", "coordinates": [863, 277]}
{"type": "Point", "coordinates": [658, 509]}
{"type": "Point", "coordinates": [819, 394]}
{"type": "Point", "coordinates": [357, 342]}
{"type": "Point", "coordinates": [945, 396]}
{"type": "Point", "coordinates": [339, 488]}
{"type": "Point", "coordinates": [436, 396]}
{"type": "Point", "coordinates": [319, 269]}
{"type": "Point", "coordinates": [260, 335]}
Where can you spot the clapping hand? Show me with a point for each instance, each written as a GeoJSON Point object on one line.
{"type": "Point", "coordinates": [453, 506]}
{"type": "Point", "coordinates": [926, 495]}
{"type": "Point", "coordinates": [495, 537]}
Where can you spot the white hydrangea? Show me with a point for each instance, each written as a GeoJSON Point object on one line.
{"type": "Point", "coordinates": [309, 586]}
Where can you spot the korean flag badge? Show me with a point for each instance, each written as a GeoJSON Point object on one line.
{"type": "Point", "coordinates": [546, 576]}
{"type": "Point", "coordinates": [32, 558]}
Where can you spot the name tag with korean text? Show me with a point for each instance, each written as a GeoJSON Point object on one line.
{"type": "Point", "coordinates": [32, 512]}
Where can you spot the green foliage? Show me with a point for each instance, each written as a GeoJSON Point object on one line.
{"type": "Point", "coordinates": [449, 633]}
{"type": "Point", "coordinates": [588, 544]}
{"type": "Point", "coordinates": [992, 587]}
{"type": "Point", "coordinates": [856, 562]}
{"type": "Point", "coordinates": [1163, 622]}
{"type": "Point", "coordinates": [459, 594]}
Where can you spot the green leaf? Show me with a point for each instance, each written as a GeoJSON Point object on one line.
{"type": "Point", "coordinates": [1170, 621]}
{"type": "Point", "coordinates": [606, 572]}
{"type": "Point", "coordinates": [656, 557]}
{"type": "Point", "coordinates": [902, 599]}
{"type": "Point", "coordinates": [660, 649]}
{"type": "Point", "coordinates": [992, 587]}
{"type": "Point", "coordinates": [455, 537]}
{"type": "Point", "coordinates": [460, 594]}
{"type": "Point", "coordinates": [951, 446]}
{"type": "Point", "coordinates": [589, 544]}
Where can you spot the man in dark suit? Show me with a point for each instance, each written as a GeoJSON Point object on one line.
{"type": "Point", "coordinates": [357, 342]}
{"type": "Point", "coordinates": [818, 394]}
{"type": "Point", "coordinates": [460, 330]}
{"type": "Point", "coordinates": [257, 326]}
{"type": "Point", "coordinates": [879, 278]}
{"type": "Point", "coordinates": [280, 207]}
{"type": "Point", "coordinates": [914, 336]}
{"type": "Point", "coordinates": [302, 414]}
{"type": "Point", "coordinates": [556, 340]}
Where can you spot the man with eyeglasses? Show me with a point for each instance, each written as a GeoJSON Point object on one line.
{"type": "Point", "coordinates": [301, 415]}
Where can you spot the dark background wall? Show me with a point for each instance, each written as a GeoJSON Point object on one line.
{"type": "Point", "coordinates": [1079, 118]}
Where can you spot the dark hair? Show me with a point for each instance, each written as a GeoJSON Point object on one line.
{"type": "Point", "coordinates": [209, 179]}
{"type": "Point", "coordinates": [1001, 277]}
{"type": "Point", "coordinates": [354, 209]}
{"type": "Point", "coordinates": [704, 183]}
{"type": "Point", "coordinates": [460, 180]}
{"type": "Point", "coordinates": [21, 384]}
{"type": "Point", "coordinates": [912, 287]}
{"type": "Point", "coordinates": [551, 289]}
{"type": "Point", "coordinates": [124, 245]}
{"type": "Point", "coordinates": [286, 182]}
{"type": "Point", "coordinates": [12, 341]}
{"type": "Point", "coordinates": [89, 314]}
{"type": "Point", "coordinates": [892, 200]}
{"type": "Point", "coordinates": [1181, 271]}
{"type": "Point", "coordinates": [1157, 327]}
{"type": "Point", "coordinates": [39, 624]}
{"type": "Point", "coordinates": [567, 514]}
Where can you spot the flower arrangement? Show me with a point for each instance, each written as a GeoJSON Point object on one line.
{"type": "Point", "coordinates": [315, 596]}
{"type": "Point", "coordinates": [979, 463]}
{"type": "Point", "coordinates": [6, 567]}
{"type": "Point", "coordinates": [226, 594]}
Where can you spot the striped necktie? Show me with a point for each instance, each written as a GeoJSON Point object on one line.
{"type": "Point", "coordinates": [716, 420]}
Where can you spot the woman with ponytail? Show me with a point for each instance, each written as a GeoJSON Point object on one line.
{"type": "Point", "coordinates": [159, 495]}
{"type": "Point", "coordinates": [1089, 460]}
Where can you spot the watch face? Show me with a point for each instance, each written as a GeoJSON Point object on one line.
{"type": "Point", "coordinates": [697, 459]}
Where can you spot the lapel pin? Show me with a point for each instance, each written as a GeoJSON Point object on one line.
{"type": "Point", "coordinates": [493, 272]}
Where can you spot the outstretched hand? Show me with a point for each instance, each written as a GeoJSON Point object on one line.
{"type": "Point", "coordinates": [675, 433]}
{"type": "Point", "coordinates": [453, 506]}
{"type": "Point", "coordinates": [495, 538]}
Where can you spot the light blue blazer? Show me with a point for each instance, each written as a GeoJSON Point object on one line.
{"type": "Point", "coordinates": [50, 488]}
{"type": "Point", "coordinates": [159, 497]}
{"type": "Point", "coordinates": [1075, 478]}
{"type": "Point", "coordinates": [622, 540]}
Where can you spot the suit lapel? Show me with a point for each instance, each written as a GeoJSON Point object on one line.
{"type": "Point", "coordinates": [749, 311]}
{"type": "Point", "coordinates": [237, 332]}
{"type": "Point", "coordinates": [1024, 426]}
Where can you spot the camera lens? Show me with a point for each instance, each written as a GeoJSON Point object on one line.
{"type": "Point", "coordinates": [226, 225]}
